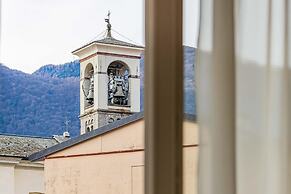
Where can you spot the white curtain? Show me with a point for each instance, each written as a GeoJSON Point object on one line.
{"type": "Point", "coordinates": [244, 97]}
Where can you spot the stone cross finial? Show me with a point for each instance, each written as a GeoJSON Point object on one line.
{"type": "Point", "coordinates": [107, 20]}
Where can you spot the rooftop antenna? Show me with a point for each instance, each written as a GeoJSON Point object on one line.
{"type": "Point", "coordinates": [66, 133]}
{"type": "Point", "coordinates": [107, 20]}
{"type": "Point", "coordinates": [66, 124]}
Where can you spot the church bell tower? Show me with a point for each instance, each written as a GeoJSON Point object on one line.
{"type": "Point", "coordinates": [109, 80]}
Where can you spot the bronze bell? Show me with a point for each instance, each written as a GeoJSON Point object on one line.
{"type": "Point", "coordinates": [90, 96]}
{"type": "Point", "coordinates": [119, 93]}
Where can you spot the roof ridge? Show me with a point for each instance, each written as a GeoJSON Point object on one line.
{"type": "Point", "coordinates": [30, 136]}
{"type": "Point", "coordinates": [125, 43]}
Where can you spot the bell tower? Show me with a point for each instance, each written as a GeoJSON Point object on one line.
{"type": "Point", "coordinates": [109, 80]}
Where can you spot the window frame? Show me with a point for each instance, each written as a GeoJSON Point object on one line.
{"type": "Point", "coordinates": [163, 96]}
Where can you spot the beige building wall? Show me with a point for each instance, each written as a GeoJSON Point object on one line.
{"type": "Point", "coordinates": [19, 177]}
{"type": "Point", "coordinates": [113, 163]}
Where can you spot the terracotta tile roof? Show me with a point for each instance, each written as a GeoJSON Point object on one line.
{"type": "Point", "coordinates": [23, 146]}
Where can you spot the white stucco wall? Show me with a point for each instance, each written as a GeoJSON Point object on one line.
{"type": "Point", "coordinates": [29, 179]}
{"type": "Point", "coordinates": [21, 178]}
{"type": "Point", "coordinates": [7, 178]}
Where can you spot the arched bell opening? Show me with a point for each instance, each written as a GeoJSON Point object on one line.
{"type": "Point", "coordinates": [118, 84]}
{"type": "Point", "coordinates": [88, 85]}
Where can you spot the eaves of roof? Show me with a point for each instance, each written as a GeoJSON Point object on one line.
{"type": "Point", "coordinates": [71, 142]}
{"type": "Point", "coordinates": [111, 41]}
{"type": "Point", "coordinates": [92, 134]}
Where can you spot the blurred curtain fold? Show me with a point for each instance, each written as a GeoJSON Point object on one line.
{"type": "Point", "coordinates": [244, 99]}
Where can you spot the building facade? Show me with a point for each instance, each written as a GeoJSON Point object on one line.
{"type": "Point", "coordinates": [110, 160]}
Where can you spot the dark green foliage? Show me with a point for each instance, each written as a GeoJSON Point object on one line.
{"type": "Point", "coordinates": [37, 105]}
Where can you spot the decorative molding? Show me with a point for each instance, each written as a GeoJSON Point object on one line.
{"type": "Point", "coordinates": [113, 110]}
{"type": "Point", "coordinates": [86, 113]}
{"type": "Point", "coordinates": [190, 145]}
{"type": "Point", "coordinates": [118, 55]}
{"type": "Point", "coordinates": [109, 152]}
{"type": "Point", "coordinates": [88, 57]}
{"type": "Point", "coordinates": [108, 54]}
{"type": "Point", "coordinates": [134, 76]}
{"type": "Point", "coordinates": [30, 164]}
{"type": "Point", "coordinates": [100, 72]}
{"type": "Point", "coordinates": [97, 153]}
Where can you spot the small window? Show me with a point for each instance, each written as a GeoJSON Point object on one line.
{"type": "Point", "coordinates": [110, 120]}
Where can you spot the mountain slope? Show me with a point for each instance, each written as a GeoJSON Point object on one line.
{"type": "Point", "coordinates": [71, 69]}
{"type": "Point", "coordinates": [36, 105]}
{"type": "Point", "coordinates": [39, 103]}
{"type": "Point", "coordinates": [189, 82]}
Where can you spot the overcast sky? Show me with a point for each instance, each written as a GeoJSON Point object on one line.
{"type": "Point", "coordinates": [39, 32]}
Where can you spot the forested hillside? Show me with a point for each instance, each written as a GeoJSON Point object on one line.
{"type": "Point", "coordinates": [40, 103]}
{"type": "Point", "coordinates": [36, 105]}
{"type": "Point", "coordinates": [71, 69]}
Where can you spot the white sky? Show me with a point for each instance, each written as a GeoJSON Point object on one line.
{"type": "Point", "coordinates": [39, 32]}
